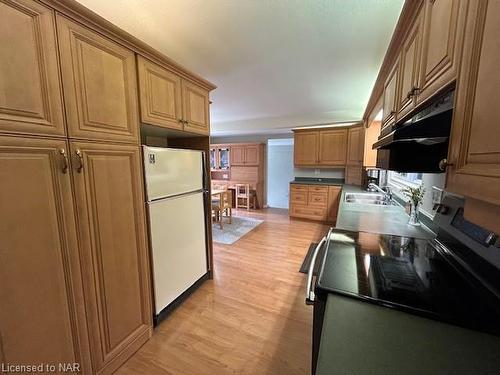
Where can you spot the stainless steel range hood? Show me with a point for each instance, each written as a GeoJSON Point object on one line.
{"type": "Point", "coordinates": [421, 142]}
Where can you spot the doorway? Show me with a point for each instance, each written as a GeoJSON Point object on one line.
{"type": "Point", "coordinates": [279, 171]}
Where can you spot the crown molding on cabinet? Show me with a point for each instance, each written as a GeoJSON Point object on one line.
{"type": "Point", "coordinates": [79, 13]}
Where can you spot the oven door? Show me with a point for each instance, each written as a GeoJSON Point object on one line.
{"type": "Point", "coordinates": [316, 297]}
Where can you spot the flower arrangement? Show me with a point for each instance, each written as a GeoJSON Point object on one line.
{"type": "Point", "coordinates": [416, 194]}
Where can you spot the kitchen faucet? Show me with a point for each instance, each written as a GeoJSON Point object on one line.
{"type": "Point", "coordinates": [387, 191]}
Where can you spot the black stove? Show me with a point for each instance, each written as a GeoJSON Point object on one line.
{"type": "Point", "coordinates": [452, 278]}
{"type": "Point", "coordinates": [412, 275]}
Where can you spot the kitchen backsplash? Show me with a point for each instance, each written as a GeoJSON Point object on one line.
{"type": "Point", "coordinates": [319, 173]}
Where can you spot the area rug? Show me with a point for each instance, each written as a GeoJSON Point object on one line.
{"type": "Point", "coordinates": [230, 233]}
{"type": "Point", "coordinates": [307, 260]}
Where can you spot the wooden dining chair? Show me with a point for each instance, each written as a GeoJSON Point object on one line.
{"type": "Point", "coordinates": [221, 207]}
{"type": "Point", "coordinates": [245, 198]}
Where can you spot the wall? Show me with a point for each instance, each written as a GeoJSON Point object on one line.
{"type": "Point", "coordinates": [279, 171]}
{"type": "Point", "coordinates": [319, 172]}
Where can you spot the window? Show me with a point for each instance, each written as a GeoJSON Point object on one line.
{"type": "Point", "coordinates": [405, 179]}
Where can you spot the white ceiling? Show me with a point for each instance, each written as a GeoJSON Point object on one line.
{"type": "Point", "coordinates": [278, 64]}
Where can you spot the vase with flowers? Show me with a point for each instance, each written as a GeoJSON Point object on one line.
{"type": "Point", "coordinates": [416, 195]}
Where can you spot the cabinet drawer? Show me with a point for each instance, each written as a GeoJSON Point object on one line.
{"type": "Point", "coordinates": [318, 199]}
{"type": "Point", "coordinates": [299, 197]}
{"type": "Point", "coordinates": [318, 189]}
{"type": "Point", "coordinates": [296, 187]}
{"type": "Point", "coordinates": [313, 213]}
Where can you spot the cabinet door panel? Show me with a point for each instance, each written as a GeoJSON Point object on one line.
{"type": "Point", "coordinates": [474, 147]}
{"type": "Point", "coordinates": [237, 155]}
{"type": "Point", "coordinates": [112, 227]}
{"type": "Point", "coordinates": [195, 108]}
{"type": "Point", "coordinates": [99, 85]}
{"type": "Point", "coordinates": [41, 319]}
{"type": "Point", "coordinates": [332, 147]}
{"type": "Point", "coordinates": [390, 95]}
{"type": "Point", "coordinates": [334, 193]}
{"type": "Point", "coordinates": [160, 92]}
{"type": "Point", "coordinates": [355, 146]}
{"type": "Point", "coordinates": [30, 93]}
{"type": "Point", "coordinates": [443, 34]}
{"type": "Point", "coordinates": [252, 155]}
{"type": "Point", "coordinates": [410, 69]}
{"type": "Point", "coordinates": [306, 147]}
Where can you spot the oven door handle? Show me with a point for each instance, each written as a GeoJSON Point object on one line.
{"type": "Point", "coordinates": [309, 289]}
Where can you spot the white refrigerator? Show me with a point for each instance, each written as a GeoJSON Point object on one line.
{"type": "Point", "coordinates": [176, 212]}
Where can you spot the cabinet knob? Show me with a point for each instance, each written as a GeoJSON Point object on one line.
{"type": "Point", "coordinates": [443, 164]}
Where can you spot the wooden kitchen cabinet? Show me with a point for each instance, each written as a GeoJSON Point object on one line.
{"type": "Point", "coordinates": [355, 146]}
{"type": "Point", "coordinates": [314, 202]}
{"type": "Point", "coordinates": [30, 88]}
{"type": "Point", "coordinates": [353, 175]}
{"type": "Point", "coordinates": [112, 230]}
{"type": "Point", "coordinates": [334, 194]}
{"type": "Point", "coordinates": [410, 68]}
{"type": "Point", "coordinates": [195, 108]}
{"type": "Point", "coordinates": [160, 95]}
{"type": "Point", "coordinates": [243, 154]}
{"type": "Point", "coordinates": [474, 148]}
{"type": "Point", "coordinates": [332, 147]}
{"type": "Point", "coordinates": [305, 148]}
{"type": "Point", "coordinates": [238, 155]}
{"type": "Point", "coordinates": [99, 81]}
{"type": "Point", "coordinates": [42, 318]}
{"type": "Point", "coordinates": [390, 94]}
{"type": "Point", "coordinates": [252, 155]}
{"type": "Point", "coordinates": [443, 31]}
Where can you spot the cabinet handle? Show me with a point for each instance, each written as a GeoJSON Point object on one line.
{"type": "Point", "coordinates": [443, 164]}
{"type": "Point", "coordinates": [62, 152]}
{"type": "Point", "coordinates": [79, 154]}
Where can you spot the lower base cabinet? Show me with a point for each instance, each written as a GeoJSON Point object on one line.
{"type": "Point", "coordinates": [74, 267]}
{"type": "Point", "coordinates": [42, 315]}
{"type": "Point", "coordinates": [109, 200]}
{"type": "Point", "coordinates": [314, 202]}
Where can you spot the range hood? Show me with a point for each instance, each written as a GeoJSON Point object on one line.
{"type": "Point", "coordinates": [419, 143]}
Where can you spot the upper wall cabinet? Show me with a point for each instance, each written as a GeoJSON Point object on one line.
{"type": "Point", "coordinates": [99, 83]}
{"type": "Point", "coordinates": [390, 96]}
{"type": "Point", "coordinates": [195, 107]}
{"type": "Point", "coordinates": [332, 147]}
{"type": "Point", "coordinates": [474, 148]}
{"type": "Point", "coordinates": [246, 154]}
{"type": "Point", "coordinates": [410, 68]}
{"type": "Point", "coordinates": [442, 40]}
{"type": "Point", "coordinates": [160, 95]}
{"type": "Point", "coordinates": [30, 88]}
{"type": "Point", "coordinates": [305, 148]}
{"type": "Point", "coordinates": [355, 146]}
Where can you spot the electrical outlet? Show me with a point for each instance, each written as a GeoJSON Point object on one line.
{"type": "Point", "coordinates": [316, 172]}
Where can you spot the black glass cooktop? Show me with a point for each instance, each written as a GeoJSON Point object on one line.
{"type": "Point", "coordinates": [409, 274]}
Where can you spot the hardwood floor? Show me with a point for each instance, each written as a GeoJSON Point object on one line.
{"type": "Point", "coordinates": [251, 318]}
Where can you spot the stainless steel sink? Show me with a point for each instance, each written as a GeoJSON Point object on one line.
{"type": "Point", "coordinates": [366, 198]}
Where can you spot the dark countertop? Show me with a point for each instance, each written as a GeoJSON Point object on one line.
{"type": "Point", "coordinates": [318, 181]}
{"type": "Point", "coordinates": [375, 218]}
